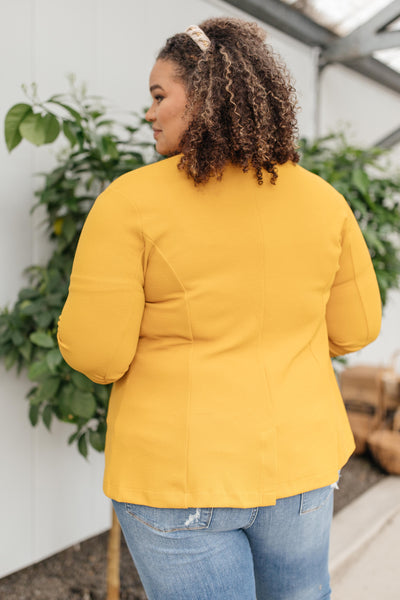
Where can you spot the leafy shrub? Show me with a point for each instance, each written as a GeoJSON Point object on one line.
{"type": "Point", "coordinates": [373, 194]}
{"type": "Point", "coordinates": [99, 149]}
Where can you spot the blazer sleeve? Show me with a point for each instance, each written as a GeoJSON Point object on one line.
{"type": "Point", "coordinates": [354, 310]}
{"type": "Point", "coordinates": [99, 326]}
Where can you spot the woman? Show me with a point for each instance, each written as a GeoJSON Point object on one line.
{"type": "Point", "coordinates": [213, 288]}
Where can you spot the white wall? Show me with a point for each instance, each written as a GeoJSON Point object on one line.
{"type": "Point", "coordinates": [52, 496]}
{"type": "Point", "coordinates": [365, 109]}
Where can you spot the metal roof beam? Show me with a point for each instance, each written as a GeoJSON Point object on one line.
{"type": "Point", "coordinates": [382, 19]}
{"type": "Point", "coordinates": [390, 140]}
{"type": "Point", "coordinates": [359, 44]}
{"type": "Point", "coordinates": [366, 39]}
{"type": "Point", "coordinates": [287, 19]}
{"type": "Point", "coordinates": [295, 24]}
{"type": "Point", "coordinates": [377, 71]}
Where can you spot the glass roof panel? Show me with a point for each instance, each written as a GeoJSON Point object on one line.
{"type": "Point", "coordinates": [390, 57]}
{"type": "Point", "coordinates": [344, 16]}
{"type": "Point", "coordinates": [340, 16]}
{"type": "Point", "coordinates": [395, 26]}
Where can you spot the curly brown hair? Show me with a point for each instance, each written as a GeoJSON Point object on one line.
{"type": "Point", "coordinates": [241, 101]}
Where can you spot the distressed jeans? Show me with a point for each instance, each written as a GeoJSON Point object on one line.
{"type": "Point", "coordinates": [264, 553]}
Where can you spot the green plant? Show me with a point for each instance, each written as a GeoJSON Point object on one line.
{"type": "Point", "coordinates": [372, 192]}
{"type": "Point", "coordinates": [99, 149]}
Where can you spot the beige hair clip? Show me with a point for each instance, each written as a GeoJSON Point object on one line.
{"type": "Point", "coordinates": [198, 36]}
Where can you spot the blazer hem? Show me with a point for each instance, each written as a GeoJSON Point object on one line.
{"type": "Point", "coordinates": [216, 498]}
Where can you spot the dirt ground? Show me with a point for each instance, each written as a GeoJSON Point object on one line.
{"type": "Point", "coordinates": [79, 573]}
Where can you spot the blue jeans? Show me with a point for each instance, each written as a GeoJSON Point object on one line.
{"type": "Point", "coordinates": [266, 553]}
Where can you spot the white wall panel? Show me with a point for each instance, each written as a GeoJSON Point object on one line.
{"type": "Point", "coordinates": [366, 110]}
{"type": "Point", "coordinates": [64, 35]}
{"type": "Point", "coordinates": [15, 199]}
{"type": "Point", "coordinates": [16, 475]}
{"type": "Point", "coordinates": [67, 491]}
{"type": "Point", "coordinates": [53, 496]}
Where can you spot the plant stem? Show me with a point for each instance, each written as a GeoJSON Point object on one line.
{"type": "Point", "coordinates": [114, 551]}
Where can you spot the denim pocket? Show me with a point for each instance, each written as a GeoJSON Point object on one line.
{"type": "Point", "coordinates": [171, 519]}
{"type": "Point", "coordinates": [315, 499]}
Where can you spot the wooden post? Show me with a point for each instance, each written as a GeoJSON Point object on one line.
{"type": "Point", "coordinates": [113, 559]}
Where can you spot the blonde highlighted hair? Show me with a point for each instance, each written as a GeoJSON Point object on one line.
{"type": "Point", "coordinates": [241, 101]}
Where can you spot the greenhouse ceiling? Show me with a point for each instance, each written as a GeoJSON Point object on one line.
{"type": "Point", "coordinates": [364, 35]}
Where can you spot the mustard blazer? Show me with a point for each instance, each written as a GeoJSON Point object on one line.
{"type": "Point", "coordinates": [215, 309]}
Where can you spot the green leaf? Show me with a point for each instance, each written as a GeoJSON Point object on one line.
{"type": "Point", "coordinates": [47, 415]}
{"type": "Point", "coordinates": [35, 398]}
{"type": "Point", "coordinates": [34, 414]}
{"type": "Point", "coordinates": [55, 300]}
{"type": "Point", "coordinates": [73, 437]}
{"type": "Point", "coordinates": [29, 308]}
{"type": "Point", "coordinates": [82, 445]}
{"type": "Point", "coordinates": [68, 108]}
{"type": "Point", "coordinates": [95, 114]}
{"type": "Point", "coordinates": [82, 382]}
{"type": "Point", "coordinates": [33, 129]}
{"type": "Point", "coordinates": [108, 147]}
{"type": "Point", "coordinates": [17, 338]}
{"type": "Point", "coordinates": [11, 358]}
{"type": "Point", "coordinates": [38, 370]}
{"type": "Point", "coordinates": [27, 294]}
{"type": "Point", "coordinates": [65, 402]}
{"type": "Point", "coordinates": [13, 120]}
{"type": "Point", "coordinates": [103, 393]}
{"type": "Point", "coordinates": [102, 426]}
{"type": "Point", "coordinates": [109, 122]}
{"type": "Point", "coordinates": [69, 134]}
{"type": "Point", "coordinates": [26, 350]}
{"type": "Point", "coordinates": [39, 129]}
{"type": "Point", "coordinates": [83, 404]}
{"type": "Point", "coordinates": [5, 337]}
{"type": "Point", "coordinates": [44, 319]}
{"type": "Point", "coordinates": [42, 339]}
{"type": "Point", "coordinates": [97, 440]}
{"type": "Point", "coordinates": [361, 181]}
{"type": "Point", "coordinates": [51, 127]}
{"type": "Point", "coordinates": [69, 228]}
{"type": "Point", "coordinates": [49, 387]}
{"type": "Point", "coordinates": [54, 359]}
